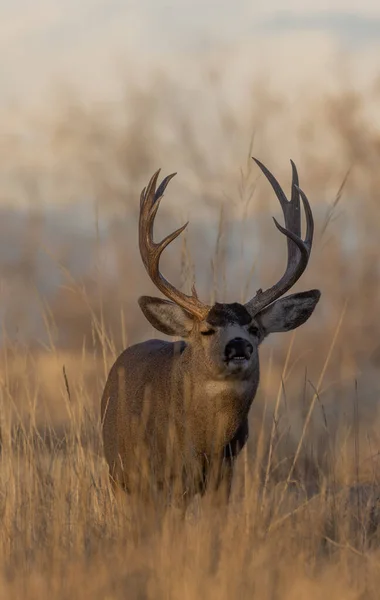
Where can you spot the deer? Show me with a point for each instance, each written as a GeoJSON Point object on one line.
{"type": "Point", "coordinates": [175, 413]}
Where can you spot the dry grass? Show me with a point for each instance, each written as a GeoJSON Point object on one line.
{"type": "Point", "coordinates": [64, 536]}
{"type": "Point", "coordinates": [303, 520]}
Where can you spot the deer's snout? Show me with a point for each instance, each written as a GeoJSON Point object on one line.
{"type": "Point", "coordinates": [238, 349]}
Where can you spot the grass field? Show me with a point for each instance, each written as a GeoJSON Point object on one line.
{"type": "Point", "coordinates": [303, 518]}
{"type": "Point", "coordinates": [294, 528]}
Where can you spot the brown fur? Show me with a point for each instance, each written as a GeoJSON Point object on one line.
{"type": "Point", "coordinates": [175, 415]}
{"type": "Point", "coordinates": [174, 419]}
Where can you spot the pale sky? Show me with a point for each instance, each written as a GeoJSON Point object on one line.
{"type": "Point", "coordinates": [87, 41]}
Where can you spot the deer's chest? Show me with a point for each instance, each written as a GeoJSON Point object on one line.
{"type": "Point", "coordinates": [218, 412]}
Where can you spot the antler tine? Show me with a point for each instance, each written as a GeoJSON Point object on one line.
{"type": "Point", "coordinates": [274, 183]}
{"type": "Point", "coordinates": [151, 252]}
{"type": "Point", "coordinates": [298, 250]}
{"type": "Point", "coordinates": [295, 226]}
{"type": "Point", "coordinates": [309, 219]}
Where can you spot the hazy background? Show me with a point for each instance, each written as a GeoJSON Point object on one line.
{"type": "Point", "coordinates": [96, 95]}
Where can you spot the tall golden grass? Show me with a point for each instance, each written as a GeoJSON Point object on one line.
{"type": "Point", "coordinates": [303, 518]}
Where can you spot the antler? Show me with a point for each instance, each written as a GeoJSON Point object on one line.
{"type": "Point", "coordinates": [151, 252]}
{"type": "Point", "coordinates": [298, 250]}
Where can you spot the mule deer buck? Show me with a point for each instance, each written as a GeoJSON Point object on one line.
{"type": "Point", "coordinates": [175, 414]}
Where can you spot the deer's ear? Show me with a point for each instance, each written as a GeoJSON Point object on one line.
{"type": "Point", "coordinates": [288, 313]}
{"type": "Point", "coordinates": [165, 316]}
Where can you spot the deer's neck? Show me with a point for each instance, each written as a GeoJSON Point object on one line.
{"type": "Point", "coordinates": [212, 404]}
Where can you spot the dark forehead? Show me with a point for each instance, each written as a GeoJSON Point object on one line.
{"type": "Point", "coordinates": [222, 314]}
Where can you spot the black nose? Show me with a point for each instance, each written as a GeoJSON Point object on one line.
{"type": "Point", "coordinates": [238, 348]}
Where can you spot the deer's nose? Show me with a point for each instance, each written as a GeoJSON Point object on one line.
{"type": "Point", "coordinates": [238, 348]}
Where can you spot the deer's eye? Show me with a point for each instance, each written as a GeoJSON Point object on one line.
{"type": "Point", "coordinates": [208, 332]}
{"type": "Point", "coordinates": [254, 330]}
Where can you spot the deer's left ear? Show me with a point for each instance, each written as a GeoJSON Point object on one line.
{"type": "Point", "coordinates": [288, 313]}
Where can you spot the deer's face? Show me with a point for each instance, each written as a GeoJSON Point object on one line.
{"type": "Point", "coordinates": [227, 341]}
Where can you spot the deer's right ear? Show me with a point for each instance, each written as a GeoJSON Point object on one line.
{"type": "Point", "coordinates": [165, 316]}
